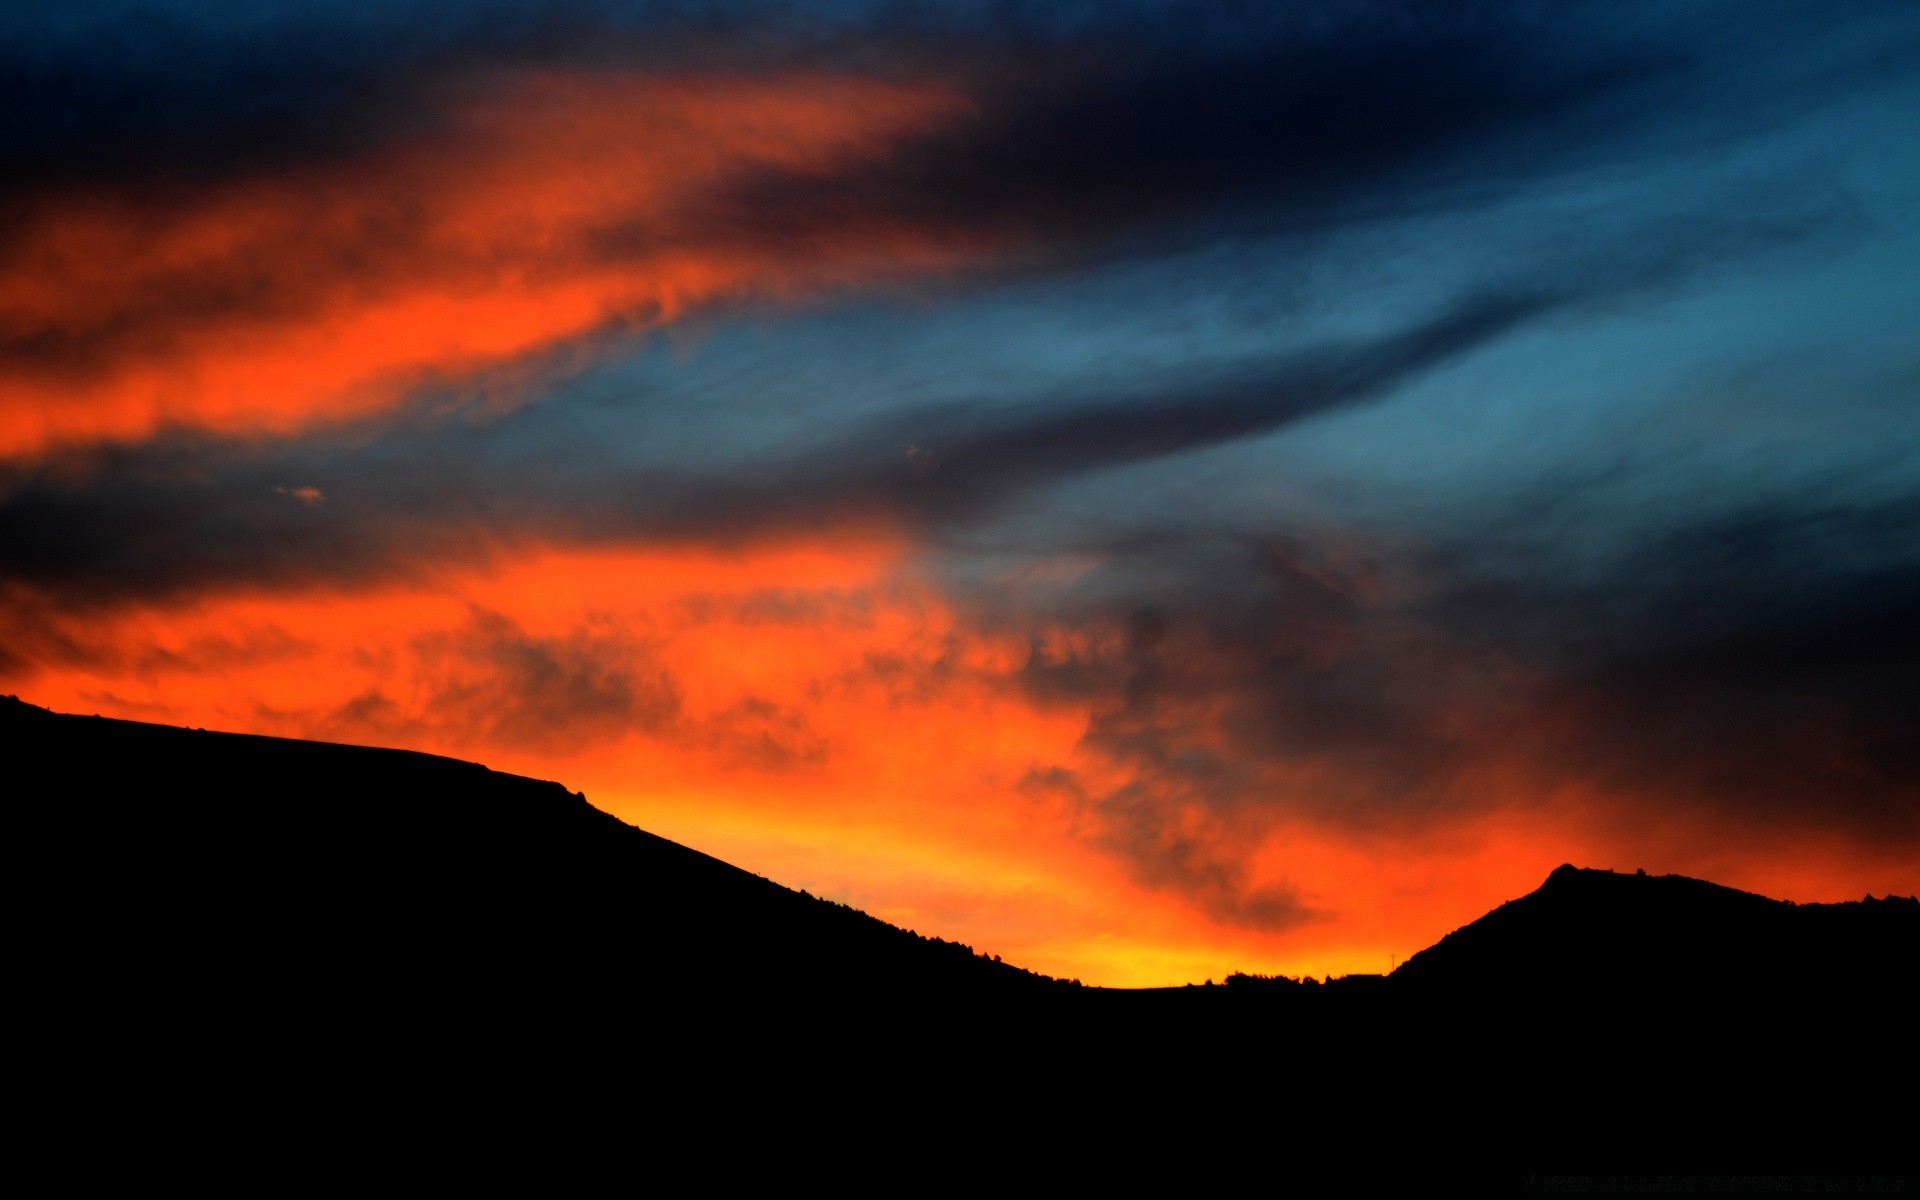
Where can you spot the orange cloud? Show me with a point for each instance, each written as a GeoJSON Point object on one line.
{"type": "Point", "coordinates": [526, 212]}
{"type": "Point", "coordinates": [817, 712]}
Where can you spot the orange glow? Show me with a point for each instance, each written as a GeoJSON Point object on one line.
{"type": "Point", "coordinates": [816, 712]}
{"type": "Point", "coordinates": [534, 210]}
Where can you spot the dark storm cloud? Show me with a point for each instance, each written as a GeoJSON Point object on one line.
{"type": "Point", "coordinates": [1751, 660]}
{"type": "Point", "coordinates": [187, 512]}
{"type": "Point", "coordinates": [1172, 835]}
{"type": "Point", "coordinates": [490, 683]}
{"type": "Point", "coordinates": [155, 92]}
{"type": "Point", "coordinates": [1264, 114]}
{"type": "Point", "coordinates": [1147, 829]}
{"type": "Point", "coordinates": [1744, 672]}
{"type": "Point", "coordinates": [195, 513]}
{"type": "Point", "coordinates": [1760, 661]}
{"type": "Point", "coordinates": [1106, 118]}
{"type": "Point", "coordinates": [1112, 132]}
{"type": "Point", "coordinates": [1140, 127]}
{"type": "Point", "coordinates": [1240, 650]}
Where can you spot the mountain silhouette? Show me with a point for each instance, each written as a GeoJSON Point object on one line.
{"type": "Point", "coordinates": [272, 848]}
{"type": "Point", "coordinates": [1670, 1020]}
{"type": "Point", "coordinates": [1589, 932]}
{"type": "Point", "coordinates": [448, 948]}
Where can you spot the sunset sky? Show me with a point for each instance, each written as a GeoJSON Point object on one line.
{"type": "Point", "coordinates": [1146, 489]}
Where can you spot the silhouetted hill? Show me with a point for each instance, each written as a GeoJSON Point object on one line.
{"type": "Point", "coordinates": [316, 953]}
{"type": "Point", "coordinates": [1680, 1018]}
{"type": "Point", "coordinates": [269, 849]}
{"type": "Point", "coordinates": [1588, 933]}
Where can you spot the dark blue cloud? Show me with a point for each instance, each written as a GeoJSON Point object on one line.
{"type": "Point", "coordinates": [1094, 118]}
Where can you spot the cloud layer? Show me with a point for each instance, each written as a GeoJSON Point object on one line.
{"type": "Point", "coordinates": [1155, 489]}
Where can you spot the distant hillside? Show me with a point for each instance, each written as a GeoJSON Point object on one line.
{"type": "Point", "coordinates": [244, 845]}
{"type": "Point", "coordinates": [263, 854]}
{"type": "Point", "coordinates": [1592, 933]}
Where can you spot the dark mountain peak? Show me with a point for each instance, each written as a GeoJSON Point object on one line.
{"type": "Point", "coordinates": [1595, 931]}
{"type": "Point", "coordinates": [1567, 879]}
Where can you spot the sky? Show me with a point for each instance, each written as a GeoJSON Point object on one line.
{"type": "Point", "coordinates": [1148, 490]}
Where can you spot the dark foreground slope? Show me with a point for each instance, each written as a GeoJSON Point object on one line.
{"type": "Point", "coordinates": [273, 852]}
{"type": "Point", "coordinates": [316, 952]}
{"type": "Point", "coordinates": [1667, 1020]}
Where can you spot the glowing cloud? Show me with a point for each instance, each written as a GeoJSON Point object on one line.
{"type": "Point", "coordinates": [815, 711]}
{"type": "Point", "coordinates": [1377, 455]}
{"type": "Point", "coordinates": [529, 210]}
